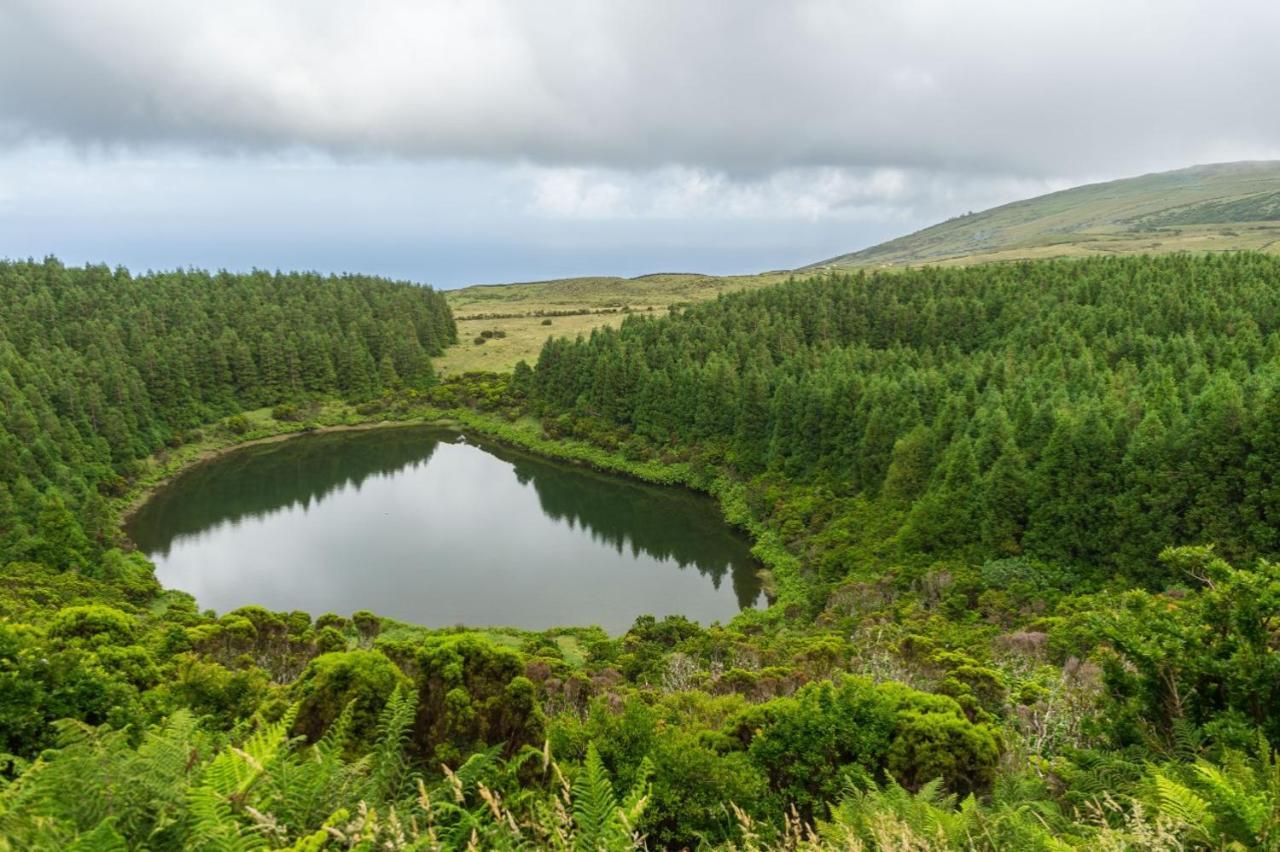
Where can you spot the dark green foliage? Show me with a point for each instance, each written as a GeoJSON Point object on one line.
{"type": "Point", "coordinates": [360, 680]}
{"type": "Point", "coordinates": [472, 694]}
{"type": "Point", "coordinates": [1089, 411]}
{"type": "Point", "coordinates": [99, 369]}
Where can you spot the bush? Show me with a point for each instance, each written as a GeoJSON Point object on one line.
{"type": "Point", "coordinates": [367, 625]}
{"type": "Point", "coordinates": [362, 679]}
{"type": "Point", "coordinates": [215, 692]}
{"type": "Point", "coordinates": [946, 746]}
{"type": "Point", "coordinates": [331, 619]}
{"type": "Point", "coordinates": [690, 788]}
{"type": "Point", "coordinates": [290, 412]}
{"type": "Point", "coordinates": [933, 739]}
{"type": "Point", "coordinates": [473, 694]}
{"type": "Point", "coordinates": [97, 623]}
{"type": "Point", "coordinates": [236, 424]}
{"type": "Point", "coordinates": [546, 322]}
{"type": "Point", "coordinates": [808, 744]}
{"type": "Point", "coordinates": [329, 639]}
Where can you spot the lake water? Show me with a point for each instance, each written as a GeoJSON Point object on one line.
{"type": "Point", "coordinates": [422, 525]}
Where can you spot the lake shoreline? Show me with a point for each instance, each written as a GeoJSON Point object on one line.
{"type": "Point", "coordinates": [202, 453]}
{"type": "Point", "coordinates": [284, 523]}
{"type": "Point", "coordinates": [780, 570]}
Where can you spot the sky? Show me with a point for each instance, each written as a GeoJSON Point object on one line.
{"type": "Point", "coordinates": [454, 143]}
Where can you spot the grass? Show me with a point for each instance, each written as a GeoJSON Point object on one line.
{"type": "Point", "coordinates": [1226, 207]}
{"type": "Point", "coordinates": [573, 306]}
{"type": "Point", "coordinates": [523, 339]}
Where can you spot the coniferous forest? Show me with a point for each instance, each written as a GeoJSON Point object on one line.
{"type": "Point", "coordinates": [1018, 522]}
{"type": "Point", "coordinates": [99, 369]}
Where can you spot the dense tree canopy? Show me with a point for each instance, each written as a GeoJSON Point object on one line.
{"type": "Point", "coordinates": [1089, 411]}
{"type": "Point", "coordinates": [99, 368]}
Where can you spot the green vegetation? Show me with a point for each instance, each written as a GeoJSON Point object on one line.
{"type": "Point", "coordinates": [1225, 207]}
{"type": "Point", "coordinates": [1020, 519]}
{"type": "Point", "coordinates": [99, 370]}
{"type": "Point", "coordinates": [521, 313]}
{"type": "Point", "coordinates": [1085, 413]}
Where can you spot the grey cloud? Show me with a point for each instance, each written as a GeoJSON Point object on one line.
{"type": "Point", "coordinates": [738, 87]}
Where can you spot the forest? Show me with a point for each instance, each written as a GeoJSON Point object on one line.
{"type": "Point", "coordinates": [1019, 520]}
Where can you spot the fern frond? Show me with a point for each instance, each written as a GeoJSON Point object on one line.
{"type": "Point", "coordinates": [388, 765]}
{"type": "Point", "coordinates": [104, 838]}
{"type": "Point", "coordinates": [214, 826]}
{"type": "Point", "coordinates": [1180, 803]}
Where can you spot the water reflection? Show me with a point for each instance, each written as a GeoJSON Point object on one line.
{"type": "Point", "coordinates": [664, 523]}
{"type": "Point", "coordinates": [409, 523]}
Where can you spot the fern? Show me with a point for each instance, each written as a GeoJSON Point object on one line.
{"type": "Point", "coordinates": [104, 838]}
{"type": "Point", "coordinates": [1181, 804]}
{"type": "Point", "coordinates": [214, 825]}
{"type": "Point", "coordinates": [389, 768]}
{"type": "Point", "coordinates": [303, 787]}
{"type": "Point", "coordinates": [225, 785]}
{"type": "Point", "coordinates": [235, 770]}
{"type": "Point", "coordinates": [603, 824]}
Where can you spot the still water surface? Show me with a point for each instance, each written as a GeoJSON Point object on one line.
{"type": "Point", "coordinates": [422, 525]}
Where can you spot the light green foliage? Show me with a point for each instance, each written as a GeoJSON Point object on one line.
{"type": "Point", "coordinates": [604, 823]}
{"type": "Point", "coordinates": [96, 625]}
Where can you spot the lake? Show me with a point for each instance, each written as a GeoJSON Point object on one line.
{"type": "Point", "coordinates": [426, 526]}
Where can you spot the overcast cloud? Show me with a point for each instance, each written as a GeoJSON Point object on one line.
{"type": "Point", "coordinates": [467, 141]}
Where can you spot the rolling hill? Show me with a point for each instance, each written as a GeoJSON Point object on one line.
{"type": "Point", "coordinates": [1223, 207]}
{"type": "Point", "coordinates": [1220, 207]}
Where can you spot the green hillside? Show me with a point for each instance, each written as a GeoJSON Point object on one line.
{"type": "Point", "coordinates": [1224, 207]}
{"type": "Point", "coordinates": [1219, 207]}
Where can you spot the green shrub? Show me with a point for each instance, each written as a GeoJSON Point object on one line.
{"type": "Point", "coordinates": [946, 746]}
{"type": "Point", "coordinates": [236, 424]}
{"type": "Point", "coordinates": [289, 412]}
{"type": "Point", "coordinates": [472, 694]}
{"type": "Point", "coordinates": [808, 745]}
{"type": "Point", "coordinates": [362, 679]}
{"type": "Point", "coordinates": [95, 623]}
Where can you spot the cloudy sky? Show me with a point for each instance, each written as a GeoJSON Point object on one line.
{"type": "Point", "coordinates": [480, 141]}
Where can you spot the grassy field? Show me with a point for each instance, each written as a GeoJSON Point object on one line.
{"type": "Point", "coordinates": [522, 316]}
{"type": "Point", "coordinates": [1224, 207]}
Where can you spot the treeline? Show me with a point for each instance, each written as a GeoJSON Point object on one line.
{"type": "Point", "coordinates": [99, 368]}
{"type": "Point", "coordinates": [1091, 412]}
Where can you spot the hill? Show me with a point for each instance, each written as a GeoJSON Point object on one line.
{"type": "Point", "coordinates": [1220, 207]}
{"type": "Point", "coordinates": [1223, 207]}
